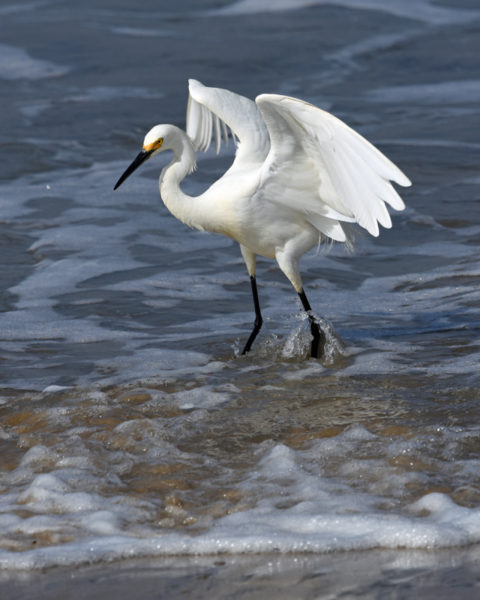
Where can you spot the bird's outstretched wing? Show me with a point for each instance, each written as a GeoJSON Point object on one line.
{"type": "Point", "coordinates": [350, 178]}
{"type": "Point", "coordinates": [211, 112]}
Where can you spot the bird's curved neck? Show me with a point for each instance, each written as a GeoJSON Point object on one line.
{"type": "Point", "coordinates": [178, 203]}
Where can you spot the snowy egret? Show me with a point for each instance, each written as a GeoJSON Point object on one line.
{"type": "Point", "coordinates": [298, 174]}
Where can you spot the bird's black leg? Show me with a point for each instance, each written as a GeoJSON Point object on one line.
{"type": "Point", "coordinates": [258, 316]}
{"type": "Point", "coordinates": [318, 342]}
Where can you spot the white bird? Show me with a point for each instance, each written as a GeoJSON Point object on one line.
{"type": "Point", "coordinates": [298, 174]}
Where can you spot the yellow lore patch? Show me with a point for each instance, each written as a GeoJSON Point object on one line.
{"type": "Point", "coordinates": [153, 146]}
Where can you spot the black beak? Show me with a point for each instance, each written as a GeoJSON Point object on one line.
{"type": "Point", "coordinates": [140, 158]}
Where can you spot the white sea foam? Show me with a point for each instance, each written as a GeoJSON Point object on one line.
{"type": "Point", "coordinates": [9, 9]}
{"type": "Point", "coordinates": [143, 32]}
{"type": "Point", "coordinates": [105, 93]}
{"type": "Point", "coordinates": [445, 92]}
{"type": "Point", "coordinates": [16, 63]}
{"type": "Point", "coordinates": [202, 397]}
{"type": "Point", "coordinates": [150, 362]}
{"type": "Point", "coordinates": [298, 508]}
{"type": "Point", "coordinates": [422, 10]}
{"type": "Point", "coordinates": [84, 258]}
{"type": "Point", "coordinates": [39, 322]}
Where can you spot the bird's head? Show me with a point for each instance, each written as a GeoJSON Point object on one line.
{"type": "Point", "coordinates": [159, 138]}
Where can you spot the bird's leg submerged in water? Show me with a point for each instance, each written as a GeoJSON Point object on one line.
{"type": "Point", "coordinates": [258, 316]}
{"type": "Point", "coordinates": [318, 342]}
{"type": "Point", "coordinates": [287, 259]}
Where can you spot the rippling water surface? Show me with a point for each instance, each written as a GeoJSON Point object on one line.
{"type": "Point", "coordinates": [129, 424]}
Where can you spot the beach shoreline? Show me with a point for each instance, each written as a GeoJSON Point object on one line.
{"type": "Point", "coordinates": [360, 574]}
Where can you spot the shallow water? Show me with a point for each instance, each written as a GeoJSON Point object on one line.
{"type": "Point", "coordinates": [367, 574]}
{"type": "Point", "coordinates": [129, 424]}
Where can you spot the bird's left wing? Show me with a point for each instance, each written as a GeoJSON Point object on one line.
{"type": "Point", "coordinates": [211, 112]}
{"type": "Point", "coordinates": [344, 177]}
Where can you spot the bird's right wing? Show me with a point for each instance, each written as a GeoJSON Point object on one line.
{"type": "Point", "coordinates": [211, 112]}
{"type": "Point", "coordinates": [340, 175]}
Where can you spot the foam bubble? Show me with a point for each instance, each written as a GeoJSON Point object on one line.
{"type": "Point", "coordinates": [202, 397]}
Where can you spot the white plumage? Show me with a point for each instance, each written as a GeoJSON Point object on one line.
{"type": "Point", "coordinates": [298, 174]}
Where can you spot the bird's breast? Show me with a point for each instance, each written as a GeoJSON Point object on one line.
{"type": "Point", "coordinates": [265, 228]}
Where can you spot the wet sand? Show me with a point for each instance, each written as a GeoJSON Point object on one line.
{"type": "Point", "coordinates": [427, 575]}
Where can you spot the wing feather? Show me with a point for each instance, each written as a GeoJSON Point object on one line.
{"type": "Point", "coordinates": [217, 134]}
{"type": "Point", "coordinates": [351, 176]}
{"type": "Point", "coordinates": [214, 112]}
